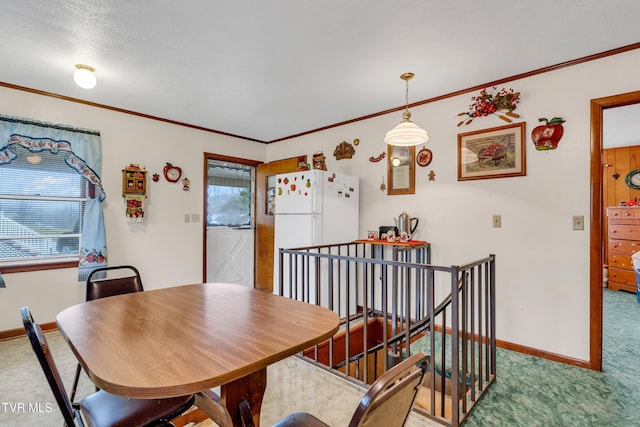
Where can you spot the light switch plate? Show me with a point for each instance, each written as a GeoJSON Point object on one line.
{"type": "Point", "coordinates": [578, 222]}
{"type": "Point", "coordinates": [497, 221]}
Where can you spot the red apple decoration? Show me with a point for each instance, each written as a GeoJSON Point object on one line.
{"type": "Point", "coordinates": [172, 173]}
{"type": "Point", "coordinates": [547, 136]}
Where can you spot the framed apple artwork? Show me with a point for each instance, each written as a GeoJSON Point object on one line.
{"type": "Point", "coordinates": [547, 136]}
{"type": "Point", "coordinates": [172, 173]}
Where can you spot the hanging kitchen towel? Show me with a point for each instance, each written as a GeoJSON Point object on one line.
{"type": "Point", "coordinates": [135, 207]}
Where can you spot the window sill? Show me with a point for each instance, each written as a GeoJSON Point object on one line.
{"type": "Point", "coordinates": [37, 266]}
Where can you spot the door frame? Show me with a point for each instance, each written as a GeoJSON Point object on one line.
{"type": "Point", "coordinates": [205, 180]}
{"type": "Point", "coordinates": [596, 238]}
{"type": "Point", "coordinates": [265, 253]}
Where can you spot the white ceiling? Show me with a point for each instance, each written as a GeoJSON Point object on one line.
{"type": "Point", "coordinates": [270, 69]}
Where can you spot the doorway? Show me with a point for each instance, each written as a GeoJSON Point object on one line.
{"type": "Point", "coordinates": [229, 223]}
{"type": "Point", "coordinates": [597, 219]}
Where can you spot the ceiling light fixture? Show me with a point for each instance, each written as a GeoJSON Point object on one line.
{"type": "Point", "coordinates": [406, 133]}
{"type": "Point", "coordinates": [34, 159]}
{"type": "Point", "coordinates": [84, 76]}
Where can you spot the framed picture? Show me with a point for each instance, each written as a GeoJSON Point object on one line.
{"type": "Point", "coordinates": [492, 153]}
{"type": "Point", "coordinates": [401, 173]}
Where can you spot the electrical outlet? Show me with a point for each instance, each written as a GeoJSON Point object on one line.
{"type": "Point", "coordinates": [195, 217]}
{"type": "Point", "coordinates": [578, 222]}
{"type": "Point", "coordinates": [497, 221]}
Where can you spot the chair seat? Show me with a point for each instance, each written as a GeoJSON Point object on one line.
{"type": "Point", "coordinates": [300, 419]}
{"type": "Point", "coordinates": [387, 403]}
{"type": "Point", "coordinates": [102, 409]}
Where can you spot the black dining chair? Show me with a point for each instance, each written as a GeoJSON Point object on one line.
{"type": "Point", "coordinates": [108, 281]}
{"type": "Point", "coordinates": [387, 403]}
{"type": "Point", "coordinates": [100, 409]}
{"type": "Point", "coordinates": [105, 282]}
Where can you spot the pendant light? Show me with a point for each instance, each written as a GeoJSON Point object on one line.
{"type": "Point", "coordinates": [84, 76]}
{"type": "Point", "coordinates": [406, 133]}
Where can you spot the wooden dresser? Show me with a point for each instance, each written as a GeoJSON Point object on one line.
{"type": "Point", "coordinates": [624, 241]}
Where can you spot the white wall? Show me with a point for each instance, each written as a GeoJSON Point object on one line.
{"type": "Point", "coordinates": [542, 264]}
{"type": "Point", "coordinates": [166, 250]}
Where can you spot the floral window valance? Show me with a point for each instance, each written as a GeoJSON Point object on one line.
{"type": "Point", "coordinates": [83, 153]}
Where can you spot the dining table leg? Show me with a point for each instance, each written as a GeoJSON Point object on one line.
{"type": "Point", "coordinates": [245, 392]}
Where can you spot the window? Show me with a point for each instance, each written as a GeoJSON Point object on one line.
{"type": "Point", "coordinates": [229, 201]}
{"type": "Point", "coordinates": [42, 203]}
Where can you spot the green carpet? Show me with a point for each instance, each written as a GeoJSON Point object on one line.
{"type": "Point", "coordinates": [530, 391]}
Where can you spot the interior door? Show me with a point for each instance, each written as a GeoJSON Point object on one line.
{"type": "Point", "coordinates": [265, 191]}
{"type": "Point", "coordinates": [230, 255]}
{"type": "Point", "coordinates": [229, 212]}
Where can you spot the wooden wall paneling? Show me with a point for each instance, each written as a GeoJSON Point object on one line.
{"type": "Point", "coordinates": [620, 160]}
{"type": "Point", "coordinates": [608, 181]}
{"type": "Point", "coordinates": [608, 191]}
{"type": "Point", "coordinates": [622, 167]}
{"type": "Point", "coordinates": [634, 163]}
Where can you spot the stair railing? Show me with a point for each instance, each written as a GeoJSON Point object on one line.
{"type": "Point", "coordinates": [393, 307]}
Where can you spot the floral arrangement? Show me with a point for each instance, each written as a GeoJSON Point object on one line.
{"type": "Point", "coordinates": [632, 202]}
{"type": "Point", "coordinates": [501, 103]}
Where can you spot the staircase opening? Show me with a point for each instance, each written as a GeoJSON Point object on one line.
{"type": "Point", "coordinates": [393, 307]}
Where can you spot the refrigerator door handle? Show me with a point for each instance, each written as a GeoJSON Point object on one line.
{"type": "Point", "coordinates": [316, 229]}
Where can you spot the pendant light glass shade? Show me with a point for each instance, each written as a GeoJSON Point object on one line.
{"type": "Point", "coordinates": [84, 76]}
{"type": "Point", "coordinates": [406, 133]}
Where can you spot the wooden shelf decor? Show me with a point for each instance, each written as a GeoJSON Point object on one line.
{"type": "Point", "coordinates": [134, 180]}
{"type": "Point", "coordinates": [134, 190]}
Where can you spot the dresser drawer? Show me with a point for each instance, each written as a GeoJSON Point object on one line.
{"type": "Point", "coordinates": [625, 247]}
{"type": "Point", "coordinates": [620, 261]}
{"type": "Point", "coordinates": [624, 231]}
{"type": "Point", "coordinates": [627, 277]}
{"type": "Point", "coordinates": [620, 214]}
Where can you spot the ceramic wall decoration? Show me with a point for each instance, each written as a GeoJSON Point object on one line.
{"type": "Point", "coordinates": [547, 136]}
{"type": "Point", "coordinates": [424, 157]}
{"type": "Point", "coordinates": [319, 161]}
{"type": "Point", "coordinates": [344, 150]}
{"type": "Point", "coordinates": [378, 158]}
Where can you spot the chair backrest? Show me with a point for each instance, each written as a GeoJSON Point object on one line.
{"type": "Point", "coordinates": [389, 400]}
{"type": "Point", "coordinates": [99, 287]}
{"type": "Point", "coordinates": [41, 348]}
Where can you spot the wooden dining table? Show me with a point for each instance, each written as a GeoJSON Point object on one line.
{"type": "Point", "coordinates": [188, 339]}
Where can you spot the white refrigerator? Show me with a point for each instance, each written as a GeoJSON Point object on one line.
{"type": "Point", "coordinates": [314, 208]}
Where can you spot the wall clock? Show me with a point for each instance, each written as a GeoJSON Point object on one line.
{"type": "Point", "coordinates": [172, 173]}
{"type": "Point", "coordinates": [633, 179]}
